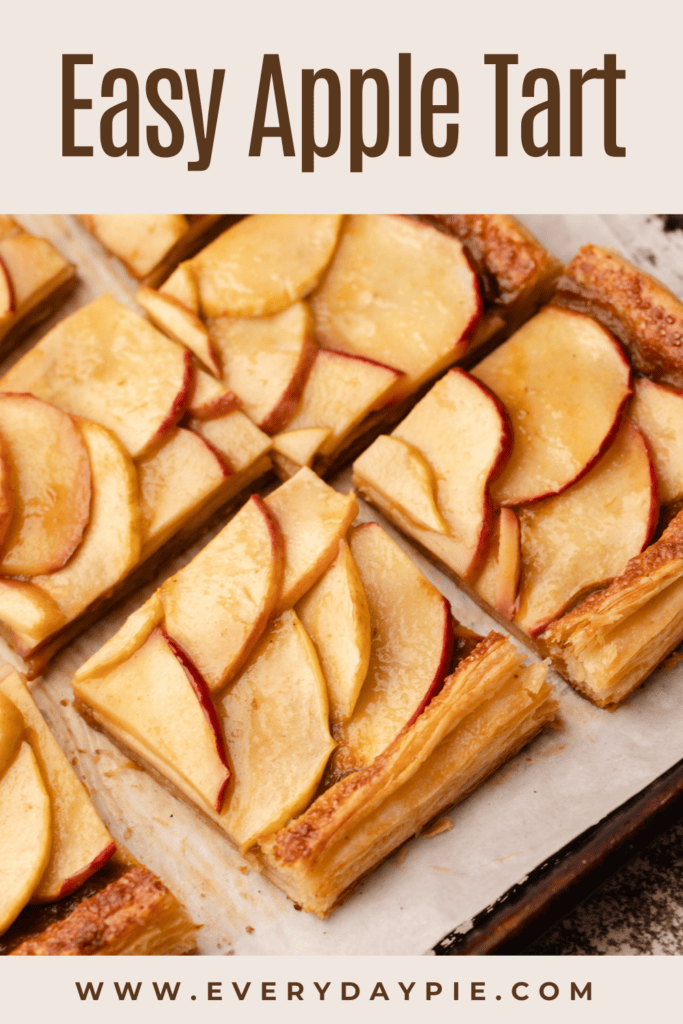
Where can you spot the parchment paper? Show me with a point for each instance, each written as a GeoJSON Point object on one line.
{"type": "Point", "coordinates": [566, 781]}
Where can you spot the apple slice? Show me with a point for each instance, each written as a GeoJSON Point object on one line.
{"type": "Point", "coordinates": [80, 842]}
{"type": "Point", "coordinates": [6, 492]}
{"type": "Point", "coordinates": [51, 485]}
{"type": "Point", "coordinates": [235, 438]}
{"type": "Point", "coordinates": [109, 365]}
{"type": "Point", "coordinates": [462, 431]}
{"type": "Point", "coordinates": [585, 536]}
{"type": "Point", "coordinates": [264, 263]}
{"type": "Point", "coordinates": [399, 292]}
{"type": "Point", "coordinates": [182, 285]}
{"type": "Point", "coordinates": [6, 291]}
{"type": "Point", "coordinates": [25, 833]}
{"type": "Point", "coordinates": [160, 699]}
{"type": "Point", "coordinates": [564, 381]}
{"type": "Point", "coordinates": [33, 266]}
{"type": "Point", "coordinates": [403, 477]}
{"type": "Point", "coordinates": [123, 645]}
{"type": "Point", "coordinates": [28, 609]}
{"type": "Point", "coordinates": [217, 606]}
{"type": "Point", "coordinates": [11, 732]}
{"type": "Point", "coordinates": [266, 361]}
{"type": "Point", "coordinates": [412, 646]}
{"type": "Point", "coordinates": [340, 392]}
{"type": "Point", "coordinates": [112, 540]}
{"type": "Point", "coordinates": [141, 240]}
{"type": "Point", "coordinates": [335, 615]}
{"type": "Point", "coordinates": [209, 399]}
{"type": "Point", "coordinates": [313, 518]}
{"type": "Point", "coordinates": [275, 719]}
{"type": "Point", "coordinates": [498, 581]}
{"type": "Point", "coordinates": [299, 447]}
{"type": "Point", "coordinates": [180, 324]}
{"type": "Point", "coordinates": [658, 410]}
{"type": "Point", "coordinates": [178, 478]}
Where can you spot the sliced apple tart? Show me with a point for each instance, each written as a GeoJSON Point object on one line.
{"type": "Point", "coordinates": [537, 478]}
{"type": "Point", "coordinates": [304, 686]}
{"type": "Point", "coordinates": [328, 327]}
{"type": "Point", "coordinates": [34, 281]}
{"type": "Point", "coordinates": [66, 889]}
{"type": "Point", "coordinates": [97, 474]}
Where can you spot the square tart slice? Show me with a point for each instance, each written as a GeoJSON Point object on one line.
{"type": "Point", "coordinates": [548, 481]}
{"type": "Point", "coordinates": [34, 281]}
{"type": "Point", "coordinates": [66, 888]}
{"type": "Point", "coordinates": [116, 450]}
{"type": "Point", "coordinates": [305, 687]}
{"type": "Point", "coordinates": [329, 327]}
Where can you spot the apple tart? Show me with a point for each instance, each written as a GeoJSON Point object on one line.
{"type": "Point", "coordinates": [66, 889]}
{"type": "Point", "coordinates": [537, 478]}
{"type": "Point", "coordinates": [328, 327]}
{"type": "Point", "coordinates": [303, 685]}
{"type": "Point", "coordinates": [115, 445]}
{"type": "Point", "coordinates": [34, 281]}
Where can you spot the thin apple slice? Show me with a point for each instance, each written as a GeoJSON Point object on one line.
{"type": "Point", "coordinates": [275, 719]}
{"type": "Point", "coordinates": [217, 606]}
{"type": "Point", "coordinates": [462, 431]}
{"type": "Point", "coordinates": [335, 615]}
{"type": "Point", "coordinates": [108, 364]}
{"type": "Point", "coordinates": [28, 609]}
{"type": "Point", "coordinates": [235, 438]}
{"type": "Point", "coordinates": [112, 540]}
{"type": "Point", "coordinates": [658, 410]}
{"type": "Point", "coordinates": [33, 266]}
{"type": "Point", "coordinates": [266, 361]}
{"type": "Point", "coordinates": [340, 392]}
{"type": "Point", "coordinates": [51, 489]}
{"type": "Point", "coordinates": [6, 492]}
{"type": "Point", "coordinates": [160, 699]}
{"type": "Point", "coordinates": [176, 479]}
{"type": "Point", "coordinates": [585, 536]}
{"type": "Point", "coordinates": [400, 473]}
{"type": "Point", "coordinates": [180, 324]}
{"type": "Point", "coordinates": [564, 381]}
{"type": "Point", "coordinates": [498, 581]}
{"type": "Point", "coordinates": [6, 291]}
{"type": "Point", "coordinates": [399, 292]}
{"type": "Point", "coordinates": [141, 240]}
{"type": "Point", "coordinates": [210, 399]}
{"type": "Point", "coordinates": [301, 446]}
{"type": "Point", "coordinates": [135, 631]}
{"type": "Point", "coordinates": [412, 646]}
{"type": "Point", "coordinates": [313, 518]}
{"type": "Point", "coordinates": [264, 263]}
{"type": "Point", "coordinates": [80, 842]}
{"type": "Point", "coordinates": [11, 732]}
{"type": "Point", "coordinates": [182, 285]}
{"type": "Point", "coordinates": [25, 833]}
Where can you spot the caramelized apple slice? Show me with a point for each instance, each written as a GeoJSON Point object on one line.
{"type": "Point", "coordinates": [32, 265]}
{"type": "Point", "coordinates": [51, 485]}
{"type": "Point", "coordinates": [139, 239]}
{"type": "Point", "coordinates": [110, 365]}
{"type": "Point", "coordinates": [564, 381]}
{"type": "Point", "coordinates": [11, 732]}
{"type": "Point", "coordinates": [264, 263]}
{"type": "Point", "coordinates": [335, 615]}
{"type": "Point", "coordinates": [266, 361]}
{"type": "Point", "coordinates": [29, 610]}
{"type": "Point", "coordinates": [275, 721]}
{"type": "Point", "coordinates": [586, 535]}
{"type": "Point", "coordinates": [210, 399]}
{"type": "Point", "coordinates": [6, 291]}
{"type": "Point", "coordinates": [498, 581]}
{"type": "Point", "coordinates": [129, 639]}
{"type": "Point", "coordinates": [160, 699]}
{"type": "Point", "coordinates": [182, 285]}
{"type": "Point", "coordinates": [412, 645]}
{"type": "Point", "coordinates": [180, 324]}
{"type": "Point", "coordinates": [399, 292]}
{"type": "Point", "coordinates": [313, 519]}
{"type": "Point", "coordinates": [111, 543]}
{"type": "Point", "coordinates": [25, 833]}
{"type": "Point", "coordinates": [6, 492]}
{"type": "Point", "coordinates": [80, 842]}
{"type": "Point", "coordinates": [658, 410]}
{"type": "Point", "coordinates": [403, 477]}
{"type": "Point", "coordinates": [301, 446]}
{"type": "Point", "coordinates": [217, 606]}
{"type": "Point", "coordinates": [340, 392]}
{"type": "Point", "coordinates": [235, 437]}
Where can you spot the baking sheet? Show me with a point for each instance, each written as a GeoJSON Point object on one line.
{"type": "Point", "coordinates": [565, 782]}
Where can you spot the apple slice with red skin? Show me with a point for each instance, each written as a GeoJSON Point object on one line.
{"type": "Point", "coordinates": [209, 399]}
{"type": "Point", "coordinates": [217, 606]}
{"type": "Point", "coordinates": [181, 325]}
{"type": "Point", "coordinates": [399, 292]}
{"type": "Point", "coordinates": [401, 474]}
{"type": "Point", "coordinates": [6, 492]}
{"type": "Point", "coordinates": [6, 291]}
{"type": "Point", "coordinates": [498, 581]}
{"type": "Point", "coordinates": [51, 485]}
{"type": "Point", "coordinates": [658, 410]}
{"type": "Point", "coordinates": [110, 365]}
{"type": "Point", "coordinates": [11, 732]}
{"type": "Point", "coordinates": [160, 699]}
{"type": "Point", "coordinates": [564, 381]}
{"type": "Point", "coordinates": [412, 647]}
{"type": "Point", "coordinates": [266, 361]}
{"type": "Point", "coordinates": [585, 536]}
{"type": "Point", "coordinates": [182, 285]}
{"type": "Point", "coordinates": [299, 447]}
{"type": "Point", "coordinates": [80, 842]}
